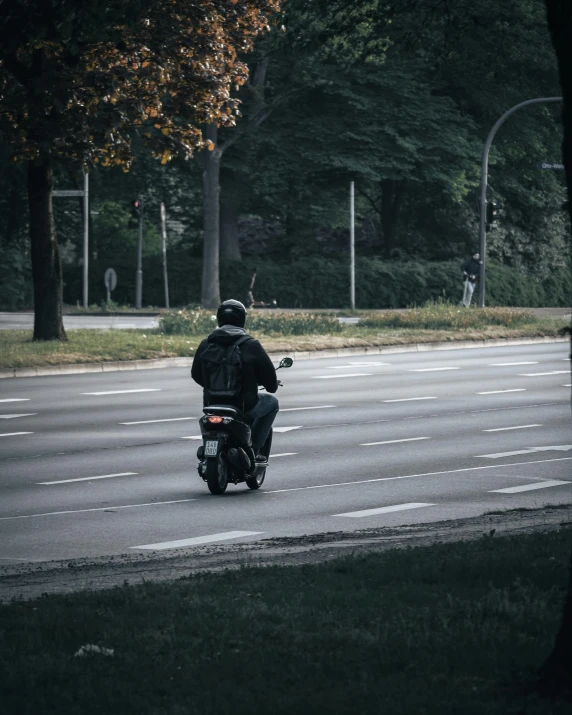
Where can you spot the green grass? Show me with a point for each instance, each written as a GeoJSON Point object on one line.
{"type": "Point", "coordinates": [183, 330]}
{"type": "Point", "coordinates": [438, 630]}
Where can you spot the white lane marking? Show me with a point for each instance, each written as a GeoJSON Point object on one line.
{"type": "Point", "coordinates": [16, 399]}
{"type": "Point", "coordinates": [284, 454]}
{"type": "Point", "coordinates": [193, 437]}
{"type": "Point", "coordinates": [89, 479]}
{"type": "Point", "coordinates": [433, 369]}
{"type": "Point", "coordinates": [123, 392]}
{"type": "Point", "coordinates": [13, 417]}
{"type": "Point", "coordinates": [504, 429]}
{"type": "Point", "coordinates": [552, 372]}
{"type": "Point", "coordinates": [13, 434]}
{"type": "Point", "coordinates": [285, 429]}
{"type": "Point", "coordinates": [318, 407]}
{"type": "Point", "coordinates": [507, 364]}
{"type": "Point", "coordinates": [412, 476]}
{"type": "Point", "coordinates": [530, 450]}
{"type": "Point", "coordinates": [498, 392]}
{"type": "Point", "coordinates": [384, 509]}
{"type": "Point", "coordinates": [411, 399]}
{"type": "Point", "coordinates": [393, 441]}
{"type": "Point", "coordinates": [197, 540]}
{"type": "Point", "coordinates": [148, 422]}
{"type": "Point", "coordinates": [99, 508]}
{"type": "Point", "coordinates": [356, 364]}
{"type": "Point", "coordinates": [349, 374]}
{"type": "Point", "coordinates": [529, 487]}
{"type": "Point", "coordinates": [568, 385]}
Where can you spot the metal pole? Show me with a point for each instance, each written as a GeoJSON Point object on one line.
{"type": "Point", "coordinates": [164, 238]}
{"type": "Point", "coordinates": [85, 238]}
{"type": "Point", "coordinates": [484, 180]}
{"type": "Point", "coordinates": [352, 251]}
{"type": "Point", "coordinates": [139, 274]}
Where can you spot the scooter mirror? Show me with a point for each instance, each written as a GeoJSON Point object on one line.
{"type": "Point", "coordinates": [286, 362]}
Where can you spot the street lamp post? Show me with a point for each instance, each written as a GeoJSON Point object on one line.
{"type": "Point", "coordinates": [484, 179]}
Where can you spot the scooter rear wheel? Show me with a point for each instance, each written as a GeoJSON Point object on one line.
{"type": "Point", "coordinates": [217, 477]}
{"type": "Point", "coordinates": [256, 482]}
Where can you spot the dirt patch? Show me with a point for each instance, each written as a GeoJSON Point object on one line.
{"type": "Point", "coordinates": [32, 580]}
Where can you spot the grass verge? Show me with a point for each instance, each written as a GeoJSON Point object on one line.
{"type": "Point", "coordinates": [17, 349]}
{"type": "Point", "coordinates": [444, 629]}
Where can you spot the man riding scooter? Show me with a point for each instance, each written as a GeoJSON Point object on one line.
{"type": "Point", "coordinates": [256, 369]}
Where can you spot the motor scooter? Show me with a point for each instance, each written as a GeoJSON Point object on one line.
{"type": "Point", "coordinates": [226, 454]}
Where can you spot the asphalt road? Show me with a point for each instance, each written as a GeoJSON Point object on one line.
{"type": "Point", "coordinates": [25, 321]}
{"type": "Point", "coordinates": [104, 464]}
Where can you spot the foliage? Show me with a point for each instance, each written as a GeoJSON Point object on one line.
{"type": "Point", "coordinates": [195, 321]}
{"type": "Point", "coordinates": [80, 79]}
{"type": "Point", "coordinates": [15, 278]}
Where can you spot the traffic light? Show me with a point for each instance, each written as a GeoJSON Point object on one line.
{"type": "Point", "coordinates": [136, 208]}
{"type": "Point", "coordinates": [493, 212]}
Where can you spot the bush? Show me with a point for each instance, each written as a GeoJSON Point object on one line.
{"type": "Point", "coordinates": [195, 321]}
{"type": "Point", "coordinates": [446, 316]}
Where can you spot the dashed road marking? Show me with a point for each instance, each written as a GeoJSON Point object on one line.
{"type": "Point", "coordinates": [537, 374]}
{"type": "Point", "coordinates": [14, 434]}
{"type": "Point", "coordinates": [123, 392]}
{"type": "Point", "coordinates": [504, 429]}
{"type": "Point", "coordinates": [508, 364]}
{"type": "Point", "coordinates": [294, 409]}
{"type": "Point", "coordinates": [99, 508]}
{"type": "Point", "coordinates": [197, 540]}
{"type": "Point", "coordinates": [393, 441]}
{"type": "Point", "coordinates": [384, 509]}
{"type": "Point", "coordinates": [285, 429]}
{"type": "Point", "coordinates": [433, 369]}
{"type": "Point", "coordinates": [148, 422]}
{"type": "Point", "coordinates": [16, 399]}
{"type": "Point", "coordinates": [349, 374]}
{"type": "Point", "coordinates": [89, 479]}
{"type": "Point", "coordinates": [195, 436]}
{"type": "Point", "coordinates": [410, 399]}
{"type": "Point", "coordinates": [13, 417]}
{"type": "Point", "coordinates": [498, 392]}
{"type": "Point", "coordinates": [283, 454]}
{"type": "Point", "coordinates": [530, 487]}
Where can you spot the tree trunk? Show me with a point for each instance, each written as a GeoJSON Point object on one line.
{"type": "Point", "coordinates": [210, 293]}
{"type": "Point", "coordinates": [46, 264]}
{"type": "Point", "coordinates": [229, 246]}
{"type": "Point", "coordinates": [557, 670]}
{"type": "Point", "coordinates": [391, 192]}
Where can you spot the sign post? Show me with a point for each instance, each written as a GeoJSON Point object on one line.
{"type": "Point", "coordinates": [352, 250]}
{"type": "Point", "coordinates": [164, 242]}
{"type": "Point", "coordinates": [139, 274]}
{"type": "Point", "coordinates": [66, 193]}
{"type": "Point", "coordinates": [110, 280]}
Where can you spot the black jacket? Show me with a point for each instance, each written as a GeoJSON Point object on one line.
{"type": "Point", "coordinates": [257, 368]}
{"type": "Point", "coordinates": [472, 268]}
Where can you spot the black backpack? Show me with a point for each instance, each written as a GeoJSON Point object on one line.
{"type": "Point", "coordinates": [222, 371]}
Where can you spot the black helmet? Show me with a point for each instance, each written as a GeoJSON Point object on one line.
{"type": "Point", "coordinates": [231, 312]}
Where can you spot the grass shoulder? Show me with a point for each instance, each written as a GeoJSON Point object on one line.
{"type": "Point", "coordinates": [442, 629]}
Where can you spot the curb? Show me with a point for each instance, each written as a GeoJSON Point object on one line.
{"type": "Point", "coordinates": [100, 367]}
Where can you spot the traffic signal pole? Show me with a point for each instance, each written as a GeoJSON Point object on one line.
{"type": "Point", "coordinates": [484, 180]}
{"type": "Point", "coordinates": [139, 274]}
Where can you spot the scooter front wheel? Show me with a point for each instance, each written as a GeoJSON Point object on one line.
{"type": "Point", "coordinates": [217, 477]}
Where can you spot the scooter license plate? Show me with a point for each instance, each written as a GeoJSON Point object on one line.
{"type": "Point", "coordinates": [211, 448]}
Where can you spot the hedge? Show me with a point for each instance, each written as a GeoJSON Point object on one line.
{"type": "Point", "coordinates": [319, 283]}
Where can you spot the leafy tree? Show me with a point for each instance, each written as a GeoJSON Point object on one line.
{"type": "Point", "coordinates": [86, 83]}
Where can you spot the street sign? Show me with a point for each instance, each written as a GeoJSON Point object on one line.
{"type": "Point", "coordinates": [110, 280]}
{"type": "Point", "coordinates": [549, 165]}
{"type": "Point", "coordinates": [66, 192]}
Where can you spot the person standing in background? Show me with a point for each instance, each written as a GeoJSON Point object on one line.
{"type": "Point", "coordinates": [471, 270]}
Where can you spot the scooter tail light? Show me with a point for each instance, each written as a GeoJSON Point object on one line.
{"type": "Point", "coordinates": [214, 419]}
